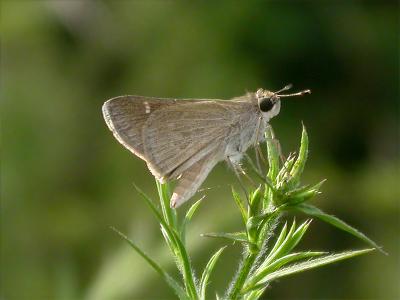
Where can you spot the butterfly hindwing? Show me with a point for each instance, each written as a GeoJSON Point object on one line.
{"type": "Point", "coordinates": [179, 135]}
{"type": "Point", "coordinates": [192, 178]}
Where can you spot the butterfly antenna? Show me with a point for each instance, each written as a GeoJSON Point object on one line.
{"type": "Point", "coordinates": [302, 93]}
{"type": "Point", "coordinates": [285, 88]}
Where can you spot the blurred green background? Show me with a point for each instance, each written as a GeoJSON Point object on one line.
{"type": "Point", "coordinates": [65, 179]}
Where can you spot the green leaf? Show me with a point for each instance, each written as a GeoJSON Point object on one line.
{"type": "Point", "coordinates": [207, 272]}
{"type": "Point", "coordinates": [240, 237]}
{"type": "Point", "coordinates": [316, 212]}
{"type": "Point", "coordinates": [252, 228]}
{"type": "Point", "coordinates": [279, 240]}
{"type": "Point", "coordinates": [292, 257]}
{"type": "Point", "coordinates": [167, 231]}
{"type": "Point", "coordinates": [239, 203]}
{"type": "Point", "coordinates": [188, 217]}
{"type": "Point", "coordinates": [150, 204]}
{"type": "Point", "coordinates": [176, 245]}
{"type": "Point", "coordinates": [285, 170]}
{"type": "Point", "coordinates": [285, 242]}
{"type": "Point", "coordinates": [170, 241]}
{"type": "Point", "coordinates": [254, 295]}
{"type": "Point", "coordinates": [304, 193]}
{"type": "Point", "coordinates": [278, 251]}
{"type": "Point", "coordinates": [300, 162]}
{"type": "Point", "coordinates": [178, 289]}
{"type": "Point", "coordinates": [182, 259]}
{"type": "Point", "coordinates": [295, 238]}
{"type": "Point", "coordinates": [262, 272]}
{"type": "Point", "coordinates": [273, 153]}
{"type": "Point", "coordinates": [255, 199]}
{"type": "Point", "coordinates": [307, 265]}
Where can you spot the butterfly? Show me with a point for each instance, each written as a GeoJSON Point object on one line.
{"type": "Point", "coordinates": [183, 139]}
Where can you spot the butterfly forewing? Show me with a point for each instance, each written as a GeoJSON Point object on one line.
{"type": "Point", "coordinates": [126, 115]}
{"type": "Point", "coordinates": [177, 136]}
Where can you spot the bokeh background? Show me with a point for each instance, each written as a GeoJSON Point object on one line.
{"type": "Point", "coordinates": [65, 179]}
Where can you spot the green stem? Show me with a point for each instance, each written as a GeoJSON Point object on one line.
{"type": "Point", "coordinates": [188, 275]}
{"type": "Point", "coordinates": [183, 259]}
{"type": "Point", "coordinates": [242, 275]}
{"type": "Point", "coordinates": [168, 213]}
{"type": "Point", "coordinates": [250, 258]}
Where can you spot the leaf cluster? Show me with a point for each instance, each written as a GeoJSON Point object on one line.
{"type": "Point", "coordinates": [263, 261]}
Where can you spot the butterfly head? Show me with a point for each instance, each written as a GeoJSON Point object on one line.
{"type": "Point", "coordinates": [269, 102]}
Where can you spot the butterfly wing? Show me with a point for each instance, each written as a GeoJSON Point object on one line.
{"type": "Point", "coordinates": [126, 115]}
{"type": "Point", "coordinates": [177, 136]}
{"type": "Point", "coordinates": [179, 139]}
{"type": "Point", "coordinates": [171, 135]}
{"type": "Point", "coordinates": [191, 179]}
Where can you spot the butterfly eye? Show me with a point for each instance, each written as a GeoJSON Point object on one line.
{"type": "Point", "coordinates": [266, 104]}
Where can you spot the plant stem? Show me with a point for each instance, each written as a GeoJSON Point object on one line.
{"type": "Point", "coordinates": [183, 259]}
{"type": "Point", "coordinates": [242, 275]}
{"type": "Point", "coordinates": [188, 276]}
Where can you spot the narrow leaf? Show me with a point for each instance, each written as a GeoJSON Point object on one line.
{"type": "Point", "coordinates": [285, 170]}
{"type": "Point", "coordinates": [295, 238]}
{"type": "Point", "coordinates": [297, 191]}
{"type": "Point", "coordinates": [292, 257]}
{"type": "Point", "coordinates": [182, 259]}
{"type": "Point", "coordinates": [262, 272]}
{"type": "Point", "coordinates": [239, 203]}
{"type": "Point", "coordinates": [255, 295]}
{"type": "Point", "coordinates": [168, 232]}
{"type": "Point", "coordinates": [170, 241]}
{"type": "Point", "coordinates": [207, 272]}
{"type": "Point", "coordinates": [178, 247]}
{"type": "Point", "coordinates": [276, 252]}
{"type": "Point", "coordinates": [150, 204]}
{"type": "Point", "coordinates": [240, 237]}
{"type": "Point", "coordinates": [291, 240]}
{"type": "Point", "coordinates": [188, 217]}
{"type": "Point", "coordinates": [302, 195]}
{"type": "Point", "coordinates": [255, 199]}
{"type": "Point", "coordinates": [307, 265]}
{"type": "Point", "coordinates": [178, 289]}
{"type": "Point", "coordinates": [273, 154]}
{"type": "Point", "coordinates": [300, 162]}
{"type": "Point", "coordinates": [252, 228]}
{"type": "Point", "coordinates": [316, 212]}
{"type": "Point", "coordinates": [279, 240]}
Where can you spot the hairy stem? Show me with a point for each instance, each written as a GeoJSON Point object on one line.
{"type": "Point", "coordinates": [242, 275]}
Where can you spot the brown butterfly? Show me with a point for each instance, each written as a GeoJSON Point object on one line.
{"type": "Point", "coordinates": [184, 139]}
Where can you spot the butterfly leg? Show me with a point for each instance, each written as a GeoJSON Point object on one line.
{"type": "Point", "coordinates": [281, 156]}
{"type": "Point", "coordinates": [254, 167]}
{"type": "Point", "coordinates": [277, 144]}
{"type": "Point", "coordinates": [263, 178]}
{"type": "Point", "coordinates": [279, 149]}
{"type": "Point", "coordinates": [237, 169]}
{"type": "Point", "coordinates": [257, 147]}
